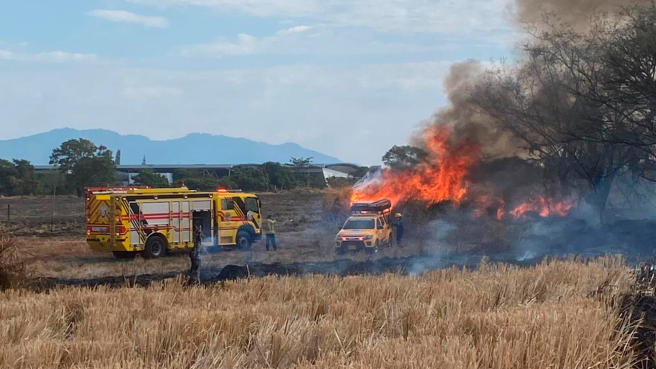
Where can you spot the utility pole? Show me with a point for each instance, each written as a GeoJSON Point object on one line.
{"type": "Point", "coordinates": [54, 196]}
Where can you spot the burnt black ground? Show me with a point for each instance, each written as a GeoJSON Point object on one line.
{"type": "Point", "coordinates": [524, 242]}
{"type": "Point", "coordinates": [343, 267]}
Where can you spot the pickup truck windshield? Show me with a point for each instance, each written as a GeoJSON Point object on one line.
{"type": "Point", "coordinates": [359, 224]}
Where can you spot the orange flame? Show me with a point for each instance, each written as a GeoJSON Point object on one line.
{"type": "Point", "coordinates": [543, 206]}
{"type": "Point", "coordinates": [484, 205]}
{"type": "Point", "coordinates": [440, 178]}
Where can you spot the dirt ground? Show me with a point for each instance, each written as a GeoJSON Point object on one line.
{"type": "Point", "coordinates": [44, 216]}
{"type": "Point", "coordinates": [50, 233]}
{"type": "Point", "coordinates": [302, 235]}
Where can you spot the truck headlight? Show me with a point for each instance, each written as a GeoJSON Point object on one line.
{"type": "Point", "coordinates": [369, 236]}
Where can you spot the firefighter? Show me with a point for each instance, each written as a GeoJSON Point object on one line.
{"type": "Point", "coordinates": [270, 233]}
{"type": "Point", "coordinates": [399, 228]}
{"type": "Point", "coordinates": [194, 255]}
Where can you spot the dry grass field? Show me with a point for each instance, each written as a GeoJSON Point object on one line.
{"type": "Point", "coordinates": [561, 314]}
{"type": "Point", "coordinates": [574, 313]}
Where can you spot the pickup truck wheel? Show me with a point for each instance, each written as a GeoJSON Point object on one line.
{"type": "Point", "coordinates": [155, 248]}
{"type": "Point", "coordinates": [244, 240]}
{"type": "Point", "coordinates": [124, 254]}
{"type": "Point", "coordinates": [373, 250]}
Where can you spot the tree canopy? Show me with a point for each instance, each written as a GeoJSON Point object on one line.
{"type": "Point", "coordinates": [403, 157]}
{"type": "Point", "coordinates": [582, 102]}
{"type": "Point", "coordinates": [85, 164]}
{"type": "Point", "coordinates": [147, 177]}
{"type": "Point", "coordinates": [17, 178]}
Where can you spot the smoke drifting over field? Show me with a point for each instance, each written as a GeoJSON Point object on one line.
{"type": "Point", "coordinates": [462, 115]}
{"type": "Point", "coordinates": [463, 118]}
{"type": "Point", "coordinates": [576, 13]}
{"type": "Point", "coordinates": [529, 111]}
{"type": "Point", "coordinates": [469, 159]}
{"type": "Point", "coordinates": [510, 185]}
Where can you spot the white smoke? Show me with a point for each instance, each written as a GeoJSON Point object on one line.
{"type": "Point", "coordinates": [439, 230]}
{"type": "Point", "coordinates": [371, 179]}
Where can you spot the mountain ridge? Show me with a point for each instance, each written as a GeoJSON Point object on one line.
{"type": "Point", "coordinates": [194, 148]}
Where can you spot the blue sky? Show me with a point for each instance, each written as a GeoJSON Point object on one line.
{"type": "Point", "coordinates": [349, 78]}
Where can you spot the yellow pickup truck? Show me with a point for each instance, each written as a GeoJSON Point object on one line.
{"type": "Point", "coordinates": [368, 228]}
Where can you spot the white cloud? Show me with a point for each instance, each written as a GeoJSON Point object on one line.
{"type": "Point", "coordinates": [47, 57]}
{"type": "Point", "coordinates": [244, 45]}
{"type": "Point", "coordinates": [303, 40]}
{"type": "Point", "coordinates": [122, 16]}
{"type": "Point", "coordinates": [136, 92]}
{"type": "Point", "coordinates": [259, 8]}
{"type": "Point", "coordinates": [327, 108]}
{"type": "Point", "coordinates": [296, 29]}
{"type": "Point", "coordinates": [61, 56]}
{"type": "Point", "coordinates": [408, 16]}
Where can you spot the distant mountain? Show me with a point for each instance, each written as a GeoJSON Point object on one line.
{"type": "Point", "coordinates": [195, 148]}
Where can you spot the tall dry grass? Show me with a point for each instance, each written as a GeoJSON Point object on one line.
{"type": "Point", "coordinates": [554, 315]}
{"type": "Point", "coordinates": [12, 266]}
{"type": "Point", "coordinates": [336, 203]}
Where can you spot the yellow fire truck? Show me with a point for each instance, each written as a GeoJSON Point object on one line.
{"type": "Point", "coordinates": [154, 221]}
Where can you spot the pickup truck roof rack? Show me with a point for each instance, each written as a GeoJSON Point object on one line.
{"type": "Point", "coordinates": [380, 206]}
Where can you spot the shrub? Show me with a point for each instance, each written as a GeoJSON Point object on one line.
{"type": "Point", "coordinates": [209, 183]}
{"type": "Point", "coordinates": [147, 177]}
{"type": "Point", "coordinates": [339, 182]}
{"type": "Point", "coordinates": [250, 179]}
{"type": "Point", "coordinates": [12, 269]}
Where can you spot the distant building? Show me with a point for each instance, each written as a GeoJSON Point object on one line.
{"type": "Point", "coordinates": [127, 173]}
{"type": "Point", "coordinates": [316, 173]}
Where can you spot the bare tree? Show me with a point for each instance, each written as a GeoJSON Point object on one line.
{"type": "Point", "coordinates": [628, 85]}
{"type": "Point", "coordinates": [551, 101]}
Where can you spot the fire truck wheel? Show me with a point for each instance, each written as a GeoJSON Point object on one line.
{"type": "Point", "coordinates": [124, 254]}
{"type": "Point", "coordinates": [244, 240]}
{"type": "Point", "coordinates": [155, 248]}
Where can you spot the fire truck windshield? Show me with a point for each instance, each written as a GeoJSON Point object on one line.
{"type": "Point", "coordinates": [359, 224]}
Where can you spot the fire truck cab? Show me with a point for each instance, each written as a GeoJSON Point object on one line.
{"type": "Point", "coordinates": [155, 221]}
{"type": "Point", "coordinates": [368, 228]}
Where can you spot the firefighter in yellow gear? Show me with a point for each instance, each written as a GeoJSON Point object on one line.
{"type": "Point", "coordinates": [270, 233]}
{"type": "Point", "coordinates": [399, 228]}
